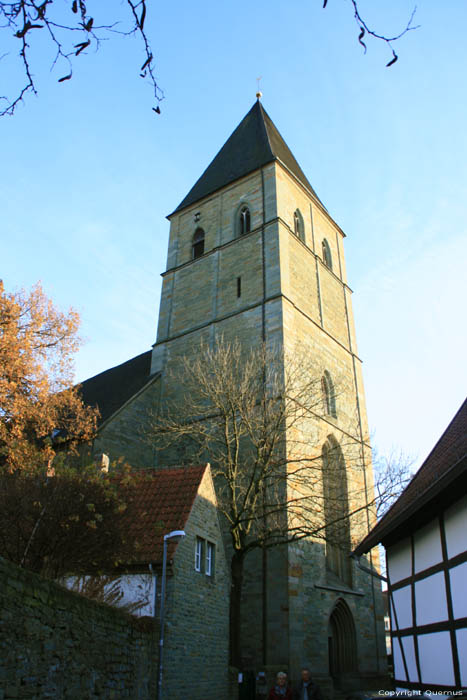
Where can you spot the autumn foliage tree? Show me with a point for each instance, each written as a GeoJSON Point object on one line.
{"type": "Point", "coordinates": [40, 409]}
{"type": "Point", "coordinates": [54, 518]}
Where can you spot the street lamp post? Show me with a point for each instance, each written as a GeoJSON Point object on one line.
{"type": "Point", "coordinates": [175, 534]}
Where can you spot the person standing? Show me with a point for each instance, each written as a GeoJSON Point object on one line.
{"type": "Point", "coordinates": [280, 691]}
{"type": "Point", "coordinates": [307, 689]}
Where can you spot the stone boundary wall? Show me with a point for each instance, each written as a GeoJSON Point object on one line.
{"type": "Point", "coordinates": [58, 644]}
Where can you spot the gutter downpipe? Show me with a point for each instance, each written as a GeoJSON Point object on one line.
{"type": "Point", "coordinates": [366, 569]}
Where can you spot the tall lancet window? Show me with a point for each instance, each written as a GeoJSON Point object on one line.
{"type": "Point", "coordinates": [336, 512]}
{"type": "Point", "coordinates": [244, 222]}
{"type": "Point", "coordinates": [327, 258]}
{"type": "Point", "coordinates": [198, 243]}
{"type": "Point", "coordinates": [298, 225]}
{"type": "Point", "coordinates": [329, 395]}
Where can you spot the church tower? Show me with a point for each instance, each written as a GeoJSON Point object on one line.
{"type": "Point", "coordinates": [254, 255]}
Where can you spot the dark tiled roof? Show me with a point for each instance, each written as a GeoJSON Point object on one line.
{"type": "Point", "coordinates": [109, 390]}
{"type": "Point", "coordinates": [254, 143]}
{"type": "Point", "coordinates": [448, 452]}
{"type": "Point", "coordinates": [161, 501]}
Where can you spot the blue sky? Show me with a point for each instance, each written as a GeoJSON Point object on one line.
{"type": "Point", "coordinates": [90, 172]}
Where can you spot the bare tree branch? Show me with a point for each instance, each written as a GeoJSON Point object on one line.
{"type": "Point", "coordinates": [24, 18]}
{"type": "Point", "coordinates": [364, 29]}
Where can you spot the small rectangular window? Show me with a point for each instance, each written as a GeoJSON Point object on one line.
{"type": "Point", "coordinates": [239, 287]}
{"type": "Point", "coordinates": [209, 559]}
{"type": "Point", "coordinates": [198, 554]}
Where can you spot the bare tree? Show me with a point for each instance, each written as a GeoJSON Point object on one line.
{"type": "Point", "coordinates": [256, 417]}
{"type": "Point", "coordinates": [392, 474]}
{"type": "Point", "coordinates": [70, 30]}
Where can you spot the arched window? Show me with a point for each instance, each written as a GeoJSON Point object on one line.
{"type": "Point", "coordinates": [327, 257]}
{"type": "Point", "coordinates": [329, 395]}
{"type": "Point", "coordinates": [298, 225]}
{"type": "Point", "coordinates": [244, 220]}
{"type": "Point", "coordinates": [198, 243]}
{"type": "Point", "coordinates": [336, 511]}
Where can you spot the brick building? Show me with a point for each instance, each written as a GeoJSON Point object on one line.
{"type": "Point", "coordinates": [255, 256]}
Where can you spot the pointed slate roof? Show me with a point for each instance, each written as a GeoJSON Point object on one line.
{"type": "Point", "coordinates": [254, 143]}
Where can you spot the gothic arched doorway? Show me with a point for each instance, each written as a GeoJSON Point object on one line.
{"type": "Point", "coordinates": [342, 642]}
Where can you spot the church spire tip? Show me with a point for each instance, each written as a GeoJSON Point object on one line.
{"type": "Point", "coordinates": [259, 94]}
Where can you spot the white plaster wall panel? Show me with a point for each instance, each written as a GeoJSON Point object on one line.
{"type": "Point", "coordinates": [138, 588]}
{"type": "Point", "coordinates": [461, 636]}
{"type": "Point", "coordinates": [399, 670]}
{"type": "Point", "coordinates": [458, 578]}
{"type": "Point", "coordinates": [409, 651]}
{"type": "Point", "coordinates": [427, 543]}
{"type": "Point", "coordinates": [430, 599]}
{"type": "Point", "coordinates": [436, 658]}
{"type": "Point", "coordinates": [399, 560]}
{"type": "Point", "coordinates": [455, 520]}
{"type": "Point", "coordinates": [403, 604]}
{"type": "Point", "coordinates": [134, 588]}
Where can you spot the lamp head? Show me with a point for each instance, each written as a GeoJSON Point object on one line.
{"type": "Point", "coordinates": [174, 534]}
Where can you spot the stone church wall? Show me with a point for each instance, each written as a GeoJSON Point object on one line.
{"type": "Point", "coordinates": [312, 598]}
{"type": "Point", "coordinates": [124, 435]}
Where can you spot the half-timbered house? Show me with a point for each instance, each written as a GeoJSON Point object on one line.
{"type": "Point", "coordinates": [425, 537]}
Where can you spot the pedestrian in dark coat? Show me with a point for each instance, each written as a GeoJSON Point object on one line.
{"type": "Point", "coordinates": [280, 691]}
{"type": "Point", "coordinates": [307, 689]}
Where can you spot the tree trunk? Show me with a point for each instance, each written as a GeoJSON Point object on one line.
{"type": "Point", "coordinates": [236, 570]}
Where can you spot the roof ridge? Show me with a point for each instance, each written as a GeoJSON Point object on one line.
{"type": "Point", "coordinates": [264, 114]}
{"type": "Point", "coordinates": [110, 369]}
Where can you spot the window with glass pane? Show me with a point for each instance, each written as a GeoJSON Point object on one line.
{"type": "Point", "coordinates": [198, 243]}
{"type": "Point", "coordinates": [244, 220]}
{"type": "Point", "coordinates": [198, 554]}
{"type": "Point", "coordinates": [209, 559]}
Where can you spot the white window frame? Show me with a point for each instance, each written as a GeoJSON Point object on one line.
{"type": "Point", "coordinates": [209, 559]}
{"type": "Point", "coordinates": [198, 554]}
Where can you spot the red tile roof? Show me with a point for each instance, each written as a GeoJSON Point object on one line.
{"type": "Point", "coordinates": [448, 452]}
{"type": "Point", "coordinates": [161, 501]}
